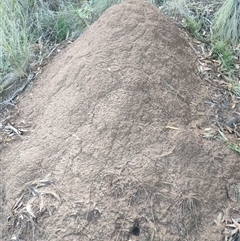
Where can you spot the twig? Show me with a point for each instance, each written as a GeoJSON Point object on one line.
{"type": "Point", "coordinates": [15, 94]}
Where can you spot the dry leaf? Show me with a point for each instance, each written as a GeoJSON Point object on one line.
{"type": "Point", "coordinates": [41, 203]}
{"type": "Point", "coordinates": [236, 223]}
{"type": "Point", "coordinates": [172, 127]}
{"type": "Point", "coordinates": [29, 210]}
{"type": "Point", "coordinates": [230, 130]}
{"type": "Point", "coordinates": [52, 193]}
{"type": "Point", "coordinates": [18, 203]}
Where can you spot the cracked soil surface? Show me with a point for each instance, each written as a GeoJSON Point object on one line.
{"type": "Point", "coordinates": [114, 150]}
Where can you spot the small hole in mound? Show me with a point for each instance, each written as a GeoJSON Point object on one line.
{"type": "Point", "coordinates": [135, 230]}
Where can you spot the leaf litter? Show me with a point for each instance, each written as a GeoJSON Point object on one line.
{"type": "Point", "coordinates": [36, 200]}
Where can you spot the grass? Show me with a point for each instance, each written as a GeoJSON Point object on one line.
{"type": "Point", "coordinates": [221, 51]}
{"type": "Point", "coordinates": [176, 8]}
{"type": "Point", "coordinates": [189, 214]}
{"type": "Point", "coordinates": [29, 29]}
{"type": "Point", "coordinates": [157, 2]}
{"type": "Point", "coordinates": [220, 29]}
{"type": "Point", "coordinates": [15, 42]}
{"type": "Point", "coordinates": [226, 24]}
{"type": "Point", "coordinates": [192, 26]}
{"type": "Point", "coordinates": [235, 88]}
{"type": "Point", "coordinates": [237, 192]}
{"type": "Point", "coordinates": [24, 22]}
{"type": "Point", "coordinates": [233, 146]}
{"type": "Point", "coordinates": [194, 19]}
{"type": "Point", "coordinates": [99, 6]}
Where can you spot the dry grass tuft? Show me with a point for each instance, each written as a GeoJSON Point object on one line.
{"type": "Point", "coordinates": [226, 24]}
{"type": "Point", "coordinates": [176, 8]}
{"type": "Point", "coordinates": [189, 214]}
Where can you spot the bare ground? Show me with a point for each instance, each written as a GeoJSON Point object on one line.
{"type": "Point", "coordinates": [114, 148]}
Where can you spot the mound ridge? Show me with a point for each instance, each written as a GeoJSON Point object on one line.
{"type": "Point", "coordinates": [114, 130]}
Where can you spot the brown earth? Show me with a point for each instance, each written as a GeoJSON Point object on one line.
{"type": "Point", "coordinates": [114, 151]}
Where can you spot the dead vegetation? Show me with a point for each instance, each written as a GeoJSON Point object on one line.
{"type": "Point", "coordinates": [36, 200]}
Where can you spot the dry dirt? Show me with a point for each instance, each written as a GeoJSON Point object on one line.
{"type": "Point", "coordinates": [114, 149]}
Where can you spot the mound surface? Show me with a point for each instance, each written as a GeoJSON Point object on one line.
{"type": "Point", "coordinates": [114, 151]}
